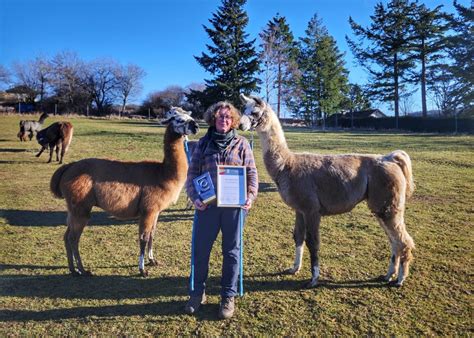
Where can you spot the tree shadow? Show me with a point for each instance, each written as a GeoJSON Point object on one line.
{"type": "Point", "coordinates": [27, 218]}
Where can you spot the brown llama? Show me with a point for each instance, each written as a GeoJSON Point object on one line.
{"type": "Point", "coordinates": [319, 185]}
{"type": "Point", "coordinates": [57, 135]}
{"type": "Point", "coordinates": [126, 190]}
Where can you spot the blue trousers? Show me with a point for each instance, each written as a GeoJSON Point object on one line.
{"type": "Point", "coordinates": [206, 229]}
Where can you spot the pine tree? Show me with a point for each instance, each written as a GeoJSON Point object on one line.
{"type": "Point", "coordinates": [230, 59]}
{"type": "Point", "coordinates": [461, 46]}
{"type": "Point", "coordinates": [278, 57]}
{"type": "Point", "coordinates": [386, 54]}
{"type": "Point", "coordinates": [323, 80]}
{"type": "Point", "coordinates": [428, 44]}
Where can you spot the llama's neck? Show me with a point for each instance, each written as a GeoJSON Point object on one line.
{"type": "Point", "coordinates": [275, 150]}
{"type": "Point", "coordinates": [42, 118]}
{"type": "Point", "coordinates": [175, 156]}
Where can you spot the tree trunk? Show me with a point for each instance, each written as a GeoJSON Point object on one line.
{"type": "Point", "coordinates": [423, 80]}
{"type": "Point", "coordinates": [395, 89]}
{"type": "Point", "coordinates": [279, 91]}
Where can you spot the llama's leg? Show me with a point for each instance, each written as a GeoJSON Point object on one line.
{"type": "Point", "coordinates": [51, 150]}
{"type": "Point", "coordinates": [70, 257]}
{"type": "Point", "coordinates": [299, 233]}
{"type": "Point", "coordinates": [147, 223]}
{"type": "Point", "coordinates": [312, 220]}
{"type": "Point", "coordinates": [63, 151]}
{"type": "Point", "coordinates": [402, 246]}
{"type": "Point", "coordinates": [151, 260]}
{"type": "Point", "coordinates": [76, 226]}
{"type": "Point", "coordinates": [43, 148]}
{"type": "Point", "coordinates": [30, 135]}
{"type": "Point", "coordinates": [394, 258]}
{"type": "Point", "coordinates": [57, 153]}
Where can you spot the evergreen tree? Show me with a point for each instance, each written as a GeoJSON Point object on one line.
{"type": "Point", "coordinates": [323, 81]}
{"type": "Point", "coordinates": [230, 59]}
{"type": "Point", "coordinates": [278, 57]}
{"type": "Point", "coordinates": [428, 44]}
{"type": "Point", "coordinates": [461, 46]}
{"type": "Point", "coordinates": [386, 54]}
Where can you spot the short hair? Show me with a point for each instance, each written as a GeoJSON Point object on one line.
{"type": "Point", "coordinates": [211, 112]}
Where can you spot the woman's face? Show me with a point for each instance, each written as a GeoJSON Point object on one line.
{"type": "Point", "coordinates": [223, 120]}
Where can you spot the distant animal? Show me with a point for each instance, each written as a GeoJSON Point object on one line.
{"type": "Point", "coordinates": [317, 185]}
{"type": "Point", "coordinates": [32, 127]}
{"type": "Point", "coordinates": [126, 190]}
{"type": "Point", "coordinates": [22, 135]}
{"type": "Point", "coordinates": [59, 134]}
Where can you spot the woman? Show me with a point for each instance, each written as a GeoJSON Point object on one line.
{"type": "Point", "coordinates": [220, 146]}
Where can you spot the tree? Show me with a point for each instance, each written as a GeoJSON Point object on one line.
{"type": "Point", "coordinates": [231, 59]}
{"type": "Point", "coordinates": [128, 83]}
{"type": "Point", "coordinates": [5, 76]}
{"type": "Point", "coordinates": [382, 48]}
{"type": "Point", "coordinates": [323, 80]}
{"type": "Point", "coordinates": [100, 83]}
{"type": "Point", "coordinates": [278, 56]}
{"type": "Point", "coordinates": [356, 100]}
{"type": "Point", "coordinates": [461, 50]}
{"type": "Point", "coordinates": [36, 76]}
{"type": "Point", "coordinates": [67, 82]}
{"type": "Point", "coordinates": [428, 44]}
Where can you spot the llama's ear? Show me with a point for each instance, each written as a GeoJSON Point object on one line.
{"type": "Point", "coordinates": [258, 100]}
{"type": "Point", "coordinates": [245, 99]}
{"type": "Point", "coordinates": [167, 120]}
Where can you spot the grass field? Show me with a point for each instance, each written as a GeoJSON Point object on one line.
{"type": "Point", "coordinates": [39, 297]}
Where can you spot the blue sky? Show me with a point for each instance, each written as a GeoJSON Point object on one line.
{"type": "Point", "coordinates": [161, 36]}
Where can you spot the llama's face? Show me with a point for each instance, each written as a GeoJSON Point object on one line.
{"type": "Point", "coordinates": [181, 121]}
{"type": "Point", "coordinates": [254, 109]}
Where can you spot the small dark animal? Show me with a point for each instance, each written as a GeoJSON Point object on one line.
{"type": "Point", "coordinates": [21, 135]}
{"type": "Point", "coordinates": [31, 127]}
{"type": "Point", "coordinates": [56, 135]}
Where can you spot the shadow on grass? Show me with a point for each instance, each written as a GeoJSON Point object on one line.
{"type": "Point", "coordinates": [27, 218]}
{"type": "Point", "coordinates": [121, 288]}
{"type": "Point", "coordinates": [14, 150]}
{"type": "Point", "coordinates": [264, 187]}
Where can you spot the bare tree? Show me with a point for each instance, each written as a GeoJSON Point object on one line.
{"type": "Point", "coordinates": [5, 77]}
{"type": "Point", "coordinates": [128, 84]}
{"type": "Point", "coordinates": [68, 72]}
{"type": "Point", "coordinates": [34, 75]}
{"type": "Point", "coordinates": [100, 83]}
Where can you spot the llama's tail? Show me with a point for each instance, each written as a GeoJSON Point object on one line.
{"type": "Point", "coordinates": [66, 131]}
{"type": "Point", "coordinates": [56, 179]}
{"type": "Point", "coordinates": [403, 160]}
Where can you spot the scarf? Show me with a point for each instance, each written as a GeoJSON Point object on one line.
{"type": "Point", "coordinates": [218, 141]}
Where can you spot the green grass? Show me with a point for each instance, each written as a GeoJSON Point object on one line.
{"type": "Point", "coordinates": [39, 297]}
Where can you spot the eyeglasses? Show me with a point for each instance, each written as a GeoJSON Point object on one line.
{"type": "Point", "coordinates": [223, 117]}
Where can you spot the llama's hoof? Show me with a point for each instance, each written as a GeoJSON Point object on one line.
{"type": "Point", "coordinates": [143, 273]}
{"type": "Point", "coordinates": [312, 283]}
{"type": "Point", "coordinates": [86, 273]}
{"type": "Point", "coordinates": [153, 262]}
{"type": "Point", "coordinates": [290, 271]}
{"type": "Point", "coordinates": [75, 274]}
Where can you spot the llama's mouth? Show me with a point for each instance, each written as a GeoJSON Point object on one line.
{"type": "Point", "coordinates": [192, 128]}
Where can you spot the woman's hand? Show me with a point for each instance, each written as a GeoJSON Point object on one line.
{"type": "Point", "coordinates": [247, 205]}
{"type": "Point", "coordinates": [199, 205]}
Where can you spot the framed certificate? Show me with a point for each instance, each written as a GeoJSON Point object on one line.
{"type": "Point", "coordinates": [231, 186]}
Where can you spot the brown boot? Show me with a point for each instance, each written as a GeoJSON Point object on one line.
{"type": "Point", "coordinates": [194, 303]}
{"type": "Point", "coordinates": [226, 310]}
